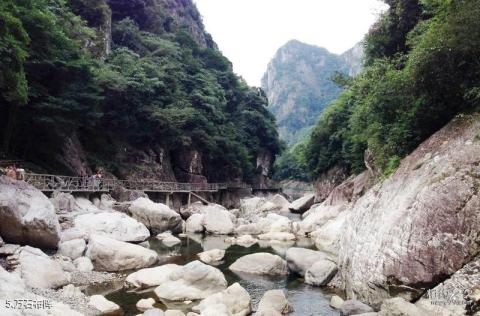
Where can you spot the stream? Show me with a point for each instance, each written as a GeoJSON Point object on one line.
{"type": "Point", "coordinates": [306, 300]}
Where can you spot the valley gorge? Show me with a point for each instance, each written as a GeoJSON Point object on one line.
{"type": "Point", "coordinates": [136, 166]}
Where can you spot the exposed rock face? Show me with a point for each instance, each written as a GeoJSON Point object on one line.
{"type": "Point", "coordinates": [112, 255]}
{"type": "Point", "coordinates": [260, 263]}
{"type": "Point", "coordinates": [38, 270]}
{"type": "Point", "coordinates": [235, 300]}
{"type": "Point", "coordinates": [156, 216]}
{"type": "Point", "coordinates": [193, 281]}
{"type": "Point", "coordinates": [114, 225]}
{"type": "Point", "coordinates": [328, 181]}
{"type": "Point", "coordinates": [26, 215]}
{"type": "Point", "coordinates": [391, 240]}
{"type": "Point", "coordinates": [188, 166]}
{"type": "Point", "coordinates": [298, 85]}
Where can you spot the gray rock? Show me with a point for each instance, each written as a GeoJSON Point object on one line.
{"type": "Point", "coordinates": [260, 263]}
{"type": "Point", "coordinates": [217, 221]}
{"type": "Point", "coordinates": [156, 216]}
{"type": "Point", "coordinates": [103, 305]}
{"type": "Point", "coordinates": [83, 264]}
{"type": "Point", "coordinates": [211, 256]}
{"type": "Point", "coordinates": [321, 272]}
{"type": "Point", "coordinates": [302, 204]}
{"type": "Point", "coordinates": [9, 249]}
{"type": "Point", "coordinates": [193, 281]}
{"type": "Point", "coordinates": [194, 223]}
{"type": "Point", "coordinates": [26, 215]}
{"type": "Point", "coordinates": [73, 248]}
{"type": "Point", "coordinates": [274, 300]}
{"type": "Point", "coordinates": [336, 302]}
{"type": "Point", "coordinates": [353, 307]}
{"type": "Point", "coordinates": [154, 312]}
{"type": "Point", "coordinates": [235, 300]}
{"type": "Point", "coordinates": [399, 307]}
{"type": "Point", "coordinates": [113, 255]}
{"type": "Point", "coordinates": [301, 259]}
{"type": "Point", "coordinates": [114, 225]}
{"type": "Point", "coordinates": [38, 270]}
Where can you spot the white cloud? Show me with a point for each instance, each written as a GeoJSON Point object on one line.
{"type": "Point", "coordinates": [249, 32]}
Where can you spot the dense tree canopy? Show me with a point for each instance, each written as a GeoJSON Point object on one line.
{"type": "Point", "coordinates": [154, 88]}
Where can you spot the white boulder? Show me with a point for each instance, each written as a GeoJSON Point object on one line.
{"type": "Point", "coordinates": [235, 300]}
{"type": "Point", "coordinates": [301, 259]}
{"type": "Point", "coordinates": [150, 277]}
{"type": "Point", "coordinates": [114, 225]}
{"type": "Point", "coordinates": [274, 300]}
{"type": "Point", "coordinates": [211, 256]}
{"type": "Point", "coordinates": [113, 255]}
{"type": "Point", "coordinates": [73, 248]}
{"type": "Point", "coordinates": [193, 281]}
{"type": "Point", "coordinates": [302, 204]}
{"type": "Point", "coordinates": [321, 272]}
{"type": "Point", "coordinates": [156, 216]}
{"type": "Point", "coordinates": [103, 305]}
{"type": "Point", "coordinates": [260, 263]}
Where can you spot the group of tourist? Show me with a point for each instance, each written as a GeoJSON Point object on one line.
{"type": "Point", "coordinates": [13, 172]}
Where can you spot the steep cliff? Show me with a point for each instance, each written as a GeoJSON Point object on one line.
{"type": "Point", "coordinates": [298, 86]}
{"type": "Point", "coordinates": [136, 87]}
{"type": "Point", "coordinates": [413, 230]}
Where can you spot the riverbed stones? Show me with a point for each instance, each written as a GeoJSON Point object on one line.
{"type": "Point", "coordinates": [235, 300]}
{"type": "Point", "coordinates": [274, 300]}
{"type": "Point", "coordinates": [301, 259]}
{"type": "Point", "coordinates": [321, 272]}
{"type": "Point", "coordinates": [156, 216]}
{"type": "Point", "coordinates": [399, 307]}
{"type": "Point", "coordinates": [145, 304]}
{"type": "Point", "coordinates": [302, 204]}
{"type": "Point", "coordinates": [277, 236]}
{"type": "Point", "coordinates": [193, 281]}
{"type": "Point", "coordinates": [26, 215]}
{"type": "Point", "coordinates": [114, 225]}
{"type": "Point", "coordinates": [354, 307]}
{"type": "Point", "coordinates": [73, 248]}
{"type": "Point", "coordinates": [103, 305]}
{"type": "Point", "coordinates": [168, 239]}
{"type": "Point", "coordinates": [108, 254]}
{"type": "Point", "coordinates": [38, 270]}
{"type": "Point", "coordinates": [212, 256]}
{"type": "Point", "coordinates": [260, 263]}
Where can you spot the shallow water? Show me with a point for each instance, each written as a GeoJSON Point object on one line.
{"type": "Point", "coordinates": [306, 300]}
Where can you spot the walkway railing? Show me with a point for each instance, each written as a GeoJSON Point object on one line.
{"type": "Point", "coordinates": [48, 182]}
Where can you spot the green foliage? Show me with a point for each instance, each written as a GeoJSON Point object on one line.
{"type": "Point", "coordinates": [405, 95]}
{"type": "Point", "coordinates": [154, 89]}
{"type": "Point", "coordinates": [292, 165]}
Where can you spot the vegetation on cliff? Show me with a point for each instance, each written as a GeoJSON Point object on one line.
{"type": "Point", "coordinates": [162, 84]}
{"type": "Point", "coordinates": [421, 70]}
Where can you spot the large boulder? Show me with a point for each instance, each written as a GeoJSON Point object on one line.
{"type": "Point", "coordinates": [113, 255]}
{"type": "Point", "coordinates": [281, 202]}
{"type": "Point", "coordinates": [260, 263]}
{"type": "Point", "coordinates": [150, 277]}
{"type": "Point", "coordinates": [259, 205]}
{"type": "Point", "coordinates": [327, 237]}
{"type": "Point", "coordinates": [113, 225]}
{"type": "Point", "coordinates": [320, 273]}
{"type": "Point", "coordinates": [274, 300]}
{"type": "Point", "coordinates": [194, 223]}
{"type": "Point", "coordinates": [235, 300]}
{"type": "Point", "coordinates": [301, 259]}
{"type": "Point", "coordinates": [193, 281]}
{"type": "Point", "coordinates": [26, 215]}
{"type": "Point", "coordinates": [39, 271]}
{"type": "Point", "coordinates": [73, 248]}
{"type": "Point", "coordinates": [211, 256]}
{"type": "Point", "coordinates": [302, 204]}
{"type": "Point", "coordinates": [421, 224]}
{"type": "Point", "coordinates": [399, 307]}
{"type": "Point", "coordinates": [218, 221]}
{"type": "Point", "coordinates": [156, 216]}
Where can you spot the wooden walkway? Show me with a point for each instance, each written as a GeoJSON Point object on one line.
{"type": "Point", "coordinates": [50, 183]}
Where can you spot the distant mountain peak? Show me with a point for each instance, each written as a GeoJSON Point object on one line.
{"type": "Point", "coordinates": [298, 86]}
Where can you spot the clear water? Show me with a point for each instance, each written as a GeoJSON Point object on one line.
{"type": "Point", "coordinates": [306, 300]}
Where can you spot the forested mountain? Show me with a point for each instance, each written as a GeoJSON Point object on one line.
{"type": "Point", "coordinates": [298, 86]}
{"type": "Point", "coordinates": [421, 71]}
{"type": "Point", "coordinates": [134, 86]}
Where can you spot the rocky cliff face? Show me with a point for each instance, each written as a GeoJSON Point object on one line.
{"type": "Point", "coordinates": [421, 225]}
{"type": "Point", "coordinates": [298, 85]}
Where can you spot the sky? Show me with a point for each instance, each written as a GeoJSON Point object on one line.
{"type": "Point", "coordinates": [249, 32]}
